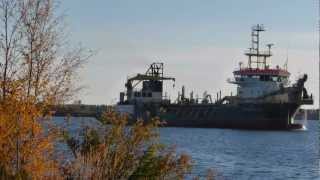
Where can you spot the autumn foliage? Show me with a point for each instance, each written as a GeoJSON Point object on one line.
{"type": "Point", "coordinates": [36, 72]}
{"type": "Point", "coordinates": [25, 148]}
{"type": "Point", "coordinates": [127, 153]}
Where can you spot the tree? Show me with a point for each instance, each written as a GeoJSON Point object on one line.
{"type": "Point", "coordinates": [10, 38]}
{"type": "Point", "coordinates": [38, 70]}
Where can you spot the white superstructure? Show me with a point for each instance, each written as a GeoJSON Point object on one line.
{"type": "Point", "coordinates": [258, 79]}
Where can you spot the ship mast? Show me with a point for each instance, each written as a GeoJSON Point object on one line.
{"type": "Point", "coordinates": [260, 60]}
{"type": "Point", "coordinates": [319, 55]}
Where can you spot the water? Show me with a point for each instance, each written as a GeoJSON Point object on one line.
{"type": "Point", "coordinates": [239, 154]}
{"type": "Point", "coordinates": [74, 127]}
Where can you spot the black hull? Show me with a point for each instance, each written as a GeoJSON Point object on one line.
{"type": "Point", "coordinates": [241, 116]}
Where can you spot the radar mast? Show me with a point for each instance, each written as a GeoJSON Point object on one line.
{"type": "Point", "coordinates": [260, 60]}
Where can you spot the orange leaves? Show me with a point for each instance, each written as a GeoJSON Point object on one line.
{"type": "Point", "coordinates": [127, 152]}
{"type": "Point", "coordinates": [24, 145]}
{"type": "Point", "coordinates": [39, 71]}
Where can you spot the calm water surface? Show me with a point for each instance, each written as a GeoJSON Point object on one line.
{"type": "Point", "coordinates": [237, 154]}
{"type": "Point", "coordinates": [241, 154]}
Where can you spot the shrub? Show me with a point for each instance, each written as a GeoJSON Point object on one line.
{"type": "Point", "coordinates": [128, 153]}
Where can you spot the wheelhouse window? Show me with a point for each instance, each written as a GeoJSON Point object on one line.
{"type": "Point", "coordinates": [265, 78]}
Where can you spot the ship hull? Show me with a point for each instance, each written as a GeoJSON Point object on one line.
{"type": "Point", "coordinates": [241, 116]}
{"type": "Point", "coordinates": [272, 110]}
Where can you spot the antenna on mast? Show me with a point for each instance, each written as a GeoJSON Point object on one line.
{"type": "Point", "coordinates": [261, 56]}
{"type": "Point", "coordinates": [285, 66]}
{"type": "Point", "coordinates": [319, 54]}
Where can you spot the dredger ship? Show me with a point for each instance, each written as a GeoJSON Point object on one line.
{"type": "Point", "coordinates": [265, 98]}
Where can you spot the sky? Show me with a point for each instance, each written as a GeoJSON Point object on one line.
{"type": "Point", "coordinates": [201, 42]}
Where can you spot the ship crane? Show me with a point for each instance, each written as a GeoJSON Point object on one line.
{"type": "Point", "coordinates": [152, 83]}
{"type": "Point", "coordinates": [143, 77]}
{"type": "Point", "coordinates": [154, 73]}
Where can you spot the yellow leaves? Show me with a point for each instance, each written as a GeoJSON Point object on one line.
{"type": "Point", "coordinates": [130, 152]}
{"type": "Point", "coordinates": [40, 73]}
{"type": "Point", "coordinates": [24, 145]}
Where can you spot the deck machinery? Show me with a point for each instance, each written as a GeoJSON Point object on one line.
{"type": "Point", "coordinates": [265, 99]}
{"type": "Point", "coordinates": [150, 96]}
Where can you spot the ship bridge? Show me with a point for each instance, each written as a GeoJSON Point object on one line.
{"type": "Point", "coordinates": [258, 78]}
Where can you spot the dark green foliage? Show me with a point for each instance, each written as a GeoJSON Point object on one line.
{"type": "Point", "coordinates": [148, 167]}
{"type": "Point", "coordinates": [91, 141]}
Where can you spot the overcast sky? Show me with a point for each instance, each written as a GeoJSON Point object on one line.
{"type": "Point", "coordinates": [200, 42]}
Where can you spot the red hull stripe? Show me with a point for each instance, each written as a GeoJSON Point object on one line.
{"type": "Point", "coordinates": [273, 72]}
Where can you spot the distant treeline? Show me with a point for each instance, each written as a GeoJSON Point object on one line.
{"type": "Point", "coordinates": [309, 114]}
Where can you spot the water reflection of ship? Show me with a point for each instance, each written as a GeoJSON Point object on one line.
{"type": "Point", "coordinates": [265, 99]}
